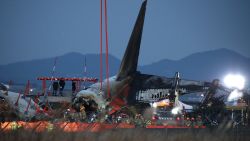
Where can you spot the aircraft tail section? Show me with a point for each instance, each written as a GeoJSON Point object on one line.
{"type": "Point", "coordinates": [130, 58]}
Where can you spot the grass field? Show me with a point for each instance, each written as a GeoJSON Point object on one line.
{"type": "Point", "coordinates": [138, 134]}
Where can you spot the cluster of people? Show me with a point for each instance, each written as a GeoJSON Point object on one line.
{"type": "Point", "coordinates": [59, 85]}
{"type": "Point", "coordinates": [83, 109]}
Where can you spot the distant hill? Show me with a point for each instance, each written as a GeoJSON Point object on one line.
{"type": "Point", "coordinates": [68, 65]}
{"type": "Point", "coordinates": [203, 66]}
{"type": "Point", "coordinates": [199, 66]}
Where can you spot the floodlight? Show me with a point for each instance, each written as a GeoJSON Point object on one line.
{"type": "Point", "coordinates": [234, 81]}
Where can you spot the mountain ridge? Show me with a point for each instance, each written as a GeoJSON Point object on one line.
{"type": "Point", "coordinates": [198, 66]}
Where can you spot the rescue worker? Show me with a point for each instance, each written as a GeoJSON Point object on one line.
{"type": "Point", "coordinates": [82, 113]}
{"type": "Point", "coordinates": [62, 85]}
{"type": "Point", "coordinates": [139, 121]}
{"type": "Point", "coordinates": [50, 127]}
{"type": "Point", "coordinates": [55, 88]}
{"type": "Point", "coordinates": [79, 114]}
{"type": "Point", "coordinates": [73, 87]}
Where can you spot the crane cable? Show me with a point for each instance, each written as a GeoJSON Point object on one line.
{"type": "Point", "coordinates": [101, 45]}
{"type": "Point", "coordinates": [106, 39]}
{"type": "Point", "coordinates": [107, 53]}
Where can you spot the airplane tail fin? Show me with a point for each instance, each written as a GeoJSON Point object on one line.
{"type": "Point", "coordinates": [130, 58]}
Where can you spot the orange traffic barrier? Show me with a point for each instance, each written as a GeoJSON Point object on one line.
{"type": "Point", "coordinates": [42, 126]}
{"type": "Point", "coordinates": [125, 125]}
{"type": "Point", "coordinates": [5, 126]}
{"type": "Point", "coordinates": [73, 126]}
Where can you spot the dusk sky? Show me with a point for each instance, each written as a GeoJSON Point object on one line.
{"type": "Point", "coordinates": [33, 29]}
